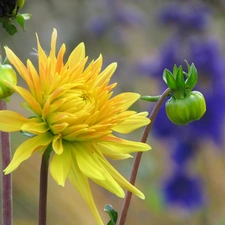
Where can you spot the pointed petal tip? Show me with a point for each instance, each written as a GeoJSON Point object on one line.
{"type": "Point", "coordinates": [9, 169]}
{"type": "Point", "coordinates": [114, 65]}
{"type": "Point", "coordinates": [142, 196]}
{"type": "Point", "coordinates": [139, 194]}
{"type": "Point", "coordinates": [6, 172]}
{"type": "Point", "coordinates": [6, 47]}
{"type": "Point", "coordinates": [81, 45]}
{"type": "Point", "coordinates": [54, 33]}
{"type": "Point", "coordinates": [61, 183]}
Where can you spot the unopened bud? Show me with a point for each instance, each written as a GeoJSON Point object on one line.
{"type": "Point", "coordinates": [7, 75]}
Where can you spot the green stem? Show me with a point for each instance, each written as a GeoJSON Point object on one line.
{"type": "Point", "coordinates": [137, 159]}
{"type": "Point", "coordinates": [6, 179]}
{"type": "Point", "coordinates": [43, 187]}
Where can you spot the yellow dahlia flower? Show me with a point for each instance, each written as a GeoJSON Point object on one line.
{"type": "Point", "coordinates": [74, 112]}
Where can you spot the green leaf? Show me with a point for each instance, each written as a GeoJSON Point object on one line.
{"type": "Point", "coordinates": [26, 16]}
{"type": "Point", "coordinates": [10, 28]}
{"type": "Point", "coordinates": [20, 20]}
{"type": "Point", "coordinates": [151, 98]}
{"type": "Point", "coordinates": [112, 214]}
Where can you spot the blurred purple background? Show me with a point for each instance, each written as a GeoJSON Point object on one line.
{"type": "Point", "coordinates": [183, 175]}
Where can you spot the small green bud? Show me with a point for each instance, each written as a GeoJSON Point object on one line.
{"type": "Point", "coordinates": [20, 4]}
{"type": "Point", "coordinates": [7, 74]}
{"type": "Point", "coordinates": [182, 111]}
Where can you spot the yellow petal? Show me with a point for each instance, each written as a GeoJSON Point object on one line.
{"type": "Point", "coordinates": [35, 127]}
{"type": "Point", "coordinates": [11, 121]}
{"type": "Point", "coordinates": [57, 144]}
{"type": "Point", "coordinates": [87, 162]}
{"type": "Point", "coordinates": [30, 100]}
{"type": "Point", "coordinates": [58, 128]}
{"type": "Point", "coordinates": [22, 70]}
{"type": "Point", "coordinates": [42, 61]}
{"type": "Point", "coordinates": [124, 146]}
{"type": "Point", "coordinates": [120, 179]}
{"type": "Point", "coordinates": [110, 184]}
{"type": "Point", "coordinates": [132, 123]}
{"type": "Point", "coordinates": [77, 55]}
{"type": "Point", "coordinates": [80, 182]}
{"type": "Point", "coordinates": [36, 81]}
{"type": "Point", "coordinates": [52, 53]}
{"type": "Point", "coordinates": [26, 149]}
{"type": "Point", "coordinates": [105, 76]}
{"type": "Point", "coordinates": [123, 101]}
{"type": "Point", "coordinates": [112, 152]}
{"type": "Point", "coordinates": [93, 70]}
{"type": "Point", "coordinates": [59, 63]}
{"type": "Point", "coordinates": [60, 165]}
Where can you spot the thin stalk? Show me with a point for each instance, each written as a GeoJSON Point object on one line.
{"type": "Point", "coordinates": [6, 179]}
{"type": "Point", "coordinates": [44, 187]}
{"type": "Point", "coordinates": [137, 159]}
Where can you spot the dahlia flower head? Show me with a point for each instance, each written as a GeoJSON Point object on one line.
{"type": "Point", "coordinates": [73, 112]}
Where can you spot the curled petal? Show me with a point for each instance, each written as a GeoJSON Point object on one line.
{"type": "Point", "coordinates": [27, 148]}
{"type": "Point", "coordinates": [57, 144]}
{"type": "Point", "coordinates": [35, 127]}
{"type": "Point", "coordinates": [11, 121]}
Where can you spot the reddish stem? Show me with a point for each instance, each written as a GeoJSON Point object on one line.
{"type": "Point", "coordinates": [6, 179]}
{"type": "Point", "coordinates": [137, 159]}
{"type": "Point", "coordinates": [43, 188]}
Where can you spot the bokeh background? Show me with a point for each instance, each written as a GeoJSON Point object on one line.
{"type": "Point", "coordinates": [183, 176]}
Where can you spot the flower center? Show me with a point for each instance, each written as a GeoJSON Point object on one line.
{"type": "Point", "coordinates": [77, 106]}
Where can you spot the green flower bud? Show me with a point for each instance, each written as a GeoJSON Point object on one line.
{"type": "Point", "coordinates": [181, 111]}
{"type": "Point", "coordinates": [7, 74]}
{"type": "Point", "coordinates": [20, 4]}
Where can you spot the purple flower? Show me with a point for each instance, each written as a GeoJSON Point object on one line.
{"type": "Point", "coordinates": [183, 190]}
{"type": "Point", "coordinates": [183, 152]}
{"type": "Point", "coordinates": [185, 16]}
